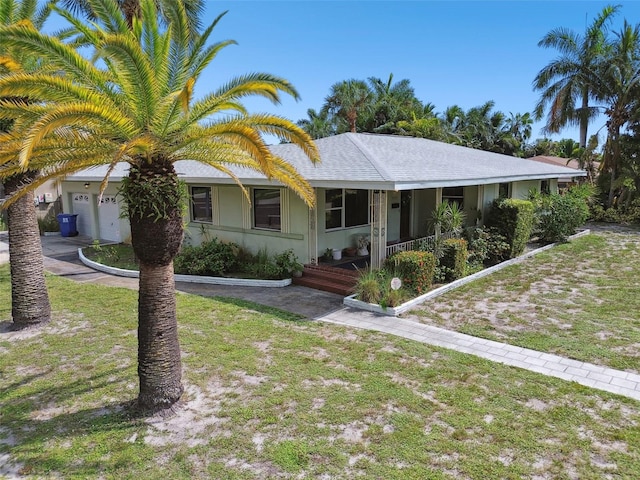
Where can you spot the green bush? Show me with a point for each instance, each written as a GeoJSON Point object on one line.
{"type": "Point", "coordinates": [561, 216]}
{"type": "Point", "coordinates": [454, 258]}
{"type": "Point", "coordinates": [486, 247]}
{"type": "Point", "coordinates": [211, 258]}
{"type": "Point", "coordinates": [626, 214]}
{"type": "Point", "coordinates": [514, 220]}
{"type": "Point", "coordinates": [415, 268]}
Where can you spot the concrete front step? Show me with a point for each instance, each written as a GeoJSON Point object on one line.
{"type": "Point", "coordinates": [328, 279]}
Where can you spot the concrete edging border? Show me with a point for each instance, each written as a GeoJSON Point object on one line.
{"type": "Point", "coordinates": [351, 301]}
{"type": "Point", "coordinates": [238, 282]}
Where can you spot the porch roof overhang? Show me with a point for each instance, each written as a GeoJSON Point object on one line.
{"type": "Point", "coordinates": [374, 162]}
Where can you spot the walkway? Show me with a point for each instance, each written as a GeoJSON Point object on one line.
{"type": "Point", "coordinates": [595, 376]}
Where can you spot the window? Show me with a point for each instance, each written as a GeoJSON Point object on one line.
{"type": "Point", "coordinates": [201, 206]}
{"type": "Point", "coordinates": [545, 187]}
{"type": "Point", "coordinates": [453, 195]}
{"type": "Point", "coordinates": [503, 190]}
{"type": "Point", "coordinates": [346, 208]}
{"type": "Point", "coordinates": [266, 208]}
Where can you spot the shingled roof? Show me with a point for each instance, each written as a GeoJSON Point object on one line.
{"type": "Point", "coordinates": [370, 161]}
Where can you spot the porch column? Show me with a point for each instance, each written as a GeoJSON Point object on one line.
{"type": "Point", "coordinates": [378, 228]}
{"type": "Point", "coordinates": [313, 232]}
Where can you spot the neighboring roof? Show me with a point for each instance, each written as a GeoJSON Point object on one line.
{"type": "Point", "coordinates": [369, 161]}
{"type": "Point", "coordinates": [563, 162]}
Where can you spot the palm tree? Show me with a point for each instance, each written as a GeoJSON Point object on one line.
{"type": "Point", "coordinates": [349, 99]}
{"type": "Point", "coordinates": [564, 81]}
{"type": "Point", "coordinates": [318, 125]}
{"type": "Point", "coordinates": [30, 304]}
{"type": "Point", "coordinates": [137, 107]}
{"type": "Point", "coordinates": [392, 102]}
{"type": "Point", "coordinates": [617, 85]}
{"type": "Point", "coordinates": [131, 8]}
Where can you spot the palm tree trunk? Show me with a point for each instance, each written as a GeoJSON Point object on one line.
{"type": "Point", "coordinates": [584, 119]}
{"type": "Point", "coordinates": [159, 365]}
{"type": "Point", "coordinates": [611, 155]}
{"type": "Point", "coordinates": [152, 193]}
{"type": "Point", "coordinates": [30, 305]}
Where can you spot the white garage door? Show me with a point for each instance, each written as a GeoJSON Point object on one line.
{"type": "Point", "coordinates": [108, 222]}
{"type": "Point", "coordinates": [82, 206]}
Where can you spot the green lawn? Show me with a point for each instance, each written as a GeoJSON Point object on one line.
{"type": "Point", "coordinates": [580, 300]}
{"type": "Point", "coordinates": [271, 396]}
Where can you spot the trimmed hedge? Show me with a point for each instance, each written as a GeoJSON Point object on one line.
{"type": "Point", "coordinates": [514, 219]}
{"type": "Point", "coordinates": [415, 268]}
{"type": "Point", "coordinates": [454, 258]}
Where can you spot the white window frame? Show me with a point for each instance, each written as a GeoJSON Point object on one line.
{"type": "Point", "coordinates": [254, 205]}
{"type": "Point", "coordinates": [192, 203]}
{"type": "Point", "coordinates": [343, 210]}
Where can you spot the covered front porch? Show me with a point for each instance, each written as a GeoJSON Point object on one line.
{"type": "Point", "coordinates": [390, 220]}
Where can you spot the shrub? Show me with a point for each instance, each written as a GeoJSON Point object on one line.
{"type": "Point", "coordinates": [287, 262]}
{"type": "Point", "coordinates": [486, 247]}
{"type": "Point", "coordinates": [562, 215]}
{"type": "Point", "coordinates": [454, 258]}
{"type": "Point", "coordinates": [48, 223]}
{"type": "Point", "coordinates": [514, 220]}
{"type": "Point", "coordinates": [558, 216]}
{"type": "Point", "coordinates": [415, 268]}
{"type": "Point", "coordinates": [214, 258]}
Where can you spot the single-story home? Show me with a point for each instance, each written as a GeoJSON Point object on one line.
{"type": "Point", "coordinates": [380, 186]}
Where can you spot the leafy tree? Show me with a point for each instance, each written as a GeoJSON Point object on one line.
{"type": "Point", "coordinates": [137, 107]}
{"type": "Point", "coordinates": [564, 81]}
{"type": "Point", "coordinates": [30, 304]}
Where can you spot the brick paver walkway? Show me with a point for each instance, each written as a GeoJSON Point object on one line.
{"type": "Point", "coordinates": [595, 376]}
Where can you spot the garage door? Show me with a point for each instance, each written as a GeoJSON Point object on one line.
{"type": "Point", "coordinates": [108, 221]}
{"type": "Point", "coordinates": [82, 207]}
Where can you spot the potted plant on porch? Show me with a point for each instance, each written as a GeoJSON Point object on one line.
{"type": "Point", "coordinates": [363, 245]}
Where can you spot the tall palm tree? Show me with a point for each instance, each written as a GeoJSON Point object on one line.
{"type": "Point", "coordinates": [137, 107]}
{"type": "Point", "coordinates": [349, 99]}
{"type": "Point", "coordinates": [617, 85]}
{"type": "Point", "coordinates": [30, 304]}
{"type": "Point", "coordinates": [563, 82]}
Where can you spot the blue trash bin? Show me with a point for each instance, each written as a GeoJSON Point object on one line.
{"type": "Point", "coordinates": [67, 222]}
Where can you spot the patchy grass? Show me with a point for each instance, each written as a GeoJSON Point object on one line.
{"type": "Point", "coordinates": [268, 396]}
{"type": "Point", "coordinates": [580, 300]}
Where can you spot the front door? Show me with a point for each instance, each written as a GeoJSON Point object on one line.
{"type": "Point", "coordinates": [405, 215]}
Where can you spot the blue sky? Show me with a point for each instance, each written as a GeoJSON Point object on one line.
{"type": "Point", "coordinates": [454, 52]}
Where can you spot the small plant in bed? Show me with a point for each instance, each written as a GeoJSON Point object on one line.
{"type": "Point", "coordinates": [117, 255]}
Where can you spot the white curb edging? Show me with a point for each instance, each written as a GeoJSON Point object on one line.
{"type": "Point", "coordinates": [351, 301]}
{"type": "Point", "coordinates": [238, 282]}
